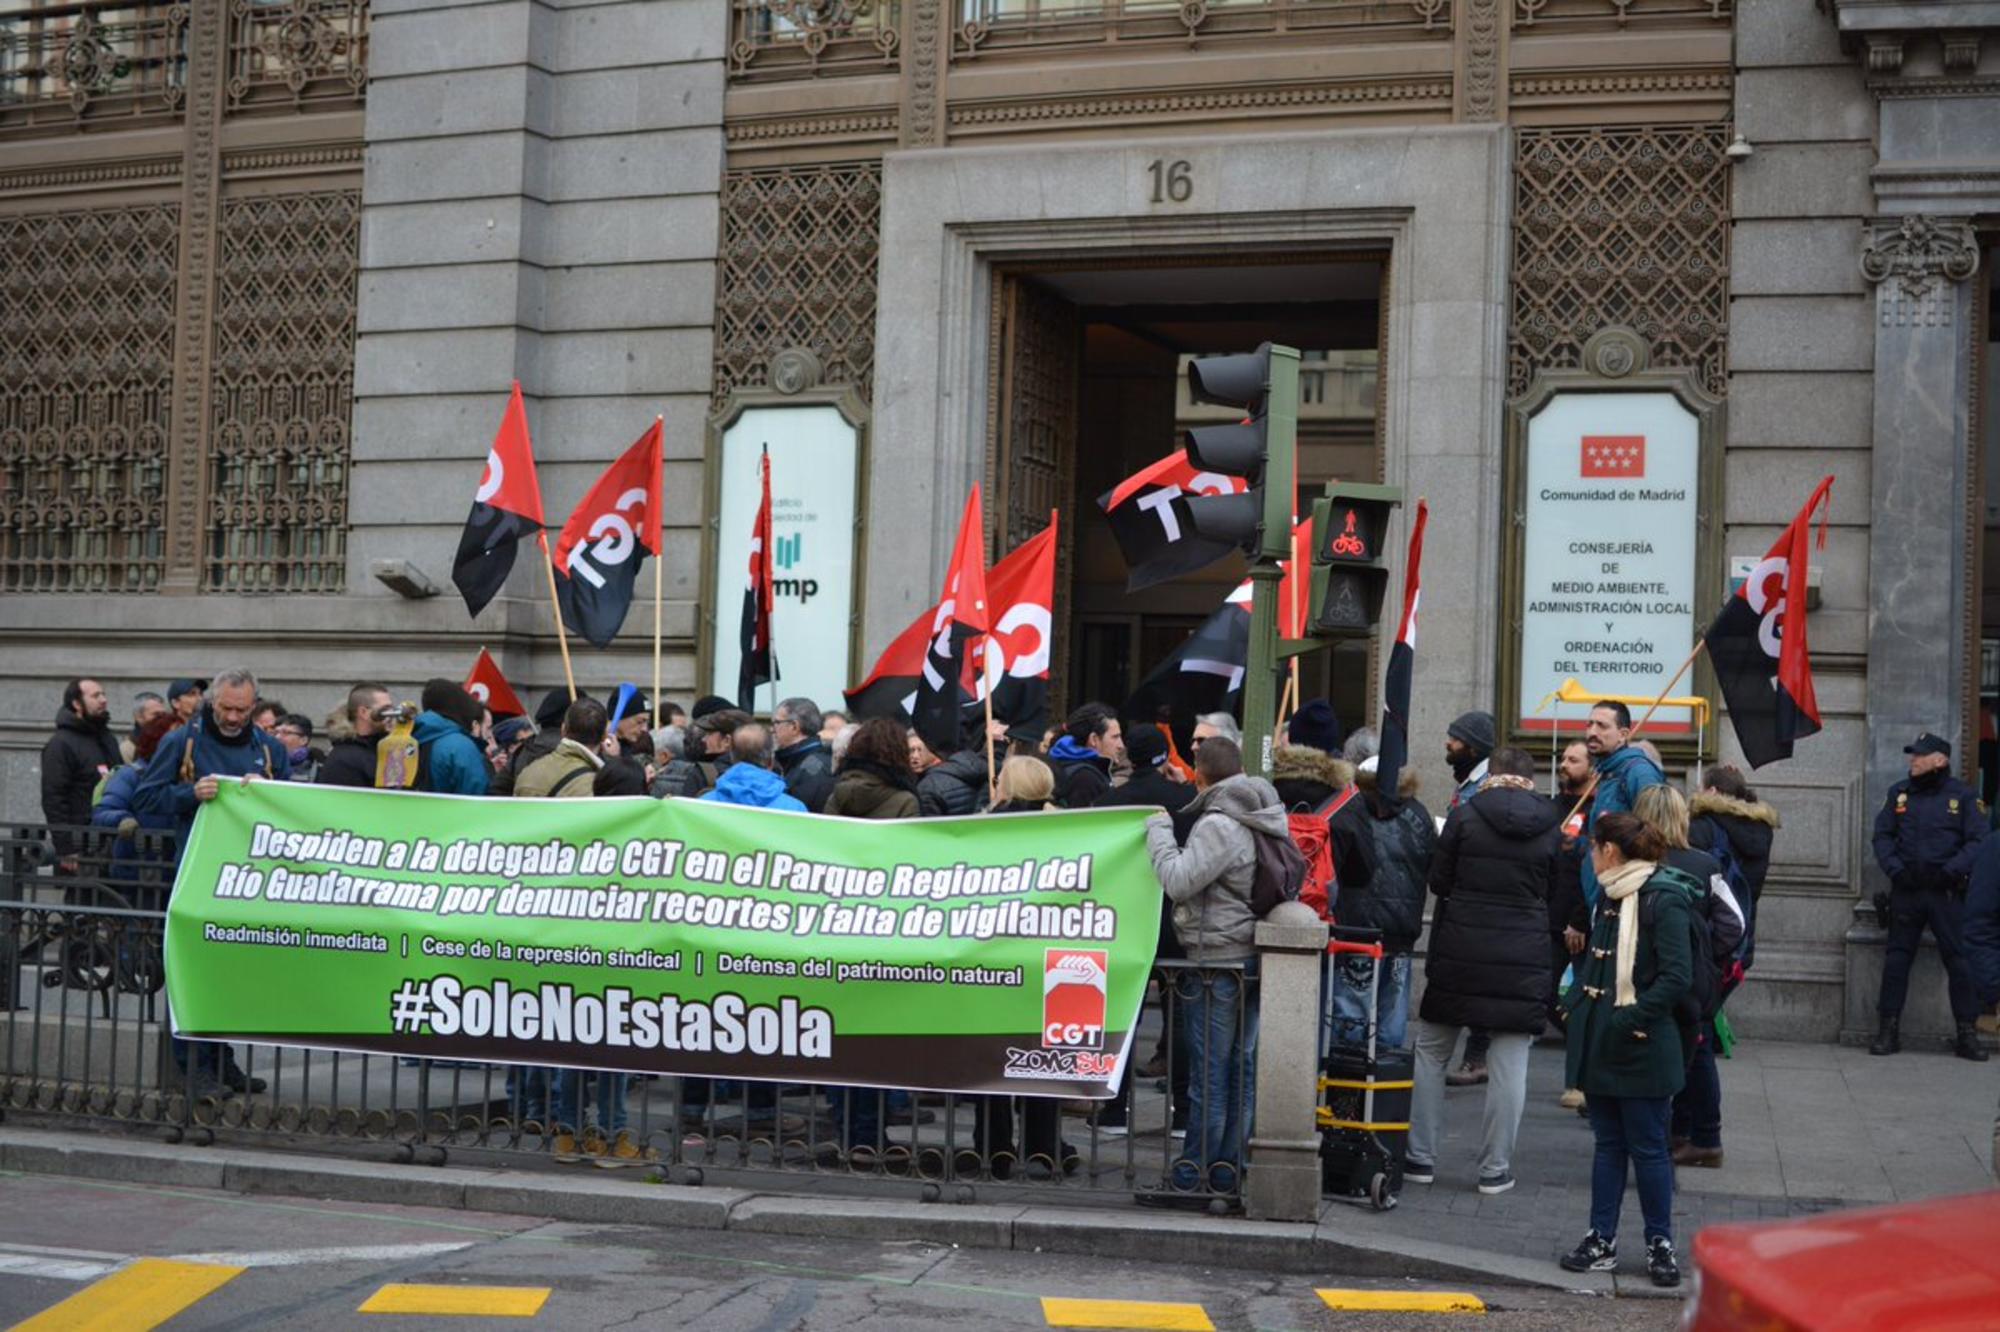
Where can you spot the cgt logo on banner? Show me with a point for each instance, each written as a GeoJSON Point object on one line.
{"type": "Point", "coordinates": [1075, 985]}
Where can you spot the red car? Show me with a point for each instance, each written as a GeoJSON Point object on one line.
{"type": "Point", "coordinates": [1915, 1267]}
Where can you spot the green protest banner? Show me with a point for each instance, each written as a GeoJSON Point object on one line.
{"type": "Point", "coordinates": [995, 954]}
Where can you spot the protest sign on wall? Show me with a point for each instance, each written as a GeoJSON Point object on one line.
{"type": "Point", "coordinates": [994, 954]}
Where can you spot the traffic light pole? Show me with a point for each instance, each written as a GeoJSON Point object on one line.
{"type": "Point", "coordinates": [1260, 681]}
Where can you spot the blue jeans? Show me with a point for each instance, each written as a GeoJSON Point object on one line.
{"type": "Point", "coordinates": [1634, 1129]}
{"type": "Point", "coordinates": [857, 1113]}
{"type": "Point", "coordinates": [1698, 1109]}
{"type": "Point", "coordinates": [1345, 995]}
{"type": "Point", "coordinates": [530, 1086]}
{"type": "Point", "coordinates": [1221, 1020]}
{"type": "Point", "coordinates": [567, 1093]}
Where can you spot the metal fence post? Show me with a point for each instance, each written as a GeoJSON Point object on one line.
{"type": "Point", "coordinates": [1283, 1181]}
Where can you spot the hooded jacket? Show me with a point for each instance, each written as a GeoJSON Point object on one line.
{"type": "Point", "coordinates": [1082, 774]}
{"type": "Point", "coordinates": [748, 784]}
{"type": "Point", "coordinates": [1750, 826]}
{"type": "Point", "coordinates": [450, 762]}
{"type": "Point", "coordinates": [565, 772]}
{"type": "Point", "coordinates": [350, 758]}
{"type": "Point", "coordinates": [1405, 839]}
{"type": "Point", "coordinates": [1621, 775]}
{"type": "Point", "coordinates": [77, 757]}
{"type": "Point", "coordinates": [1208, 880]}
{"type": "Point", "coordinates": [1307, 778]}
{"type": "Point", "coordinates": [808, 770]}
{"type": "Point", "coordinates": [865, 791]}
{"type": "Point", "coordinates": [955, 786]}
{"type": "Point", "coordinates": [1493, 874]}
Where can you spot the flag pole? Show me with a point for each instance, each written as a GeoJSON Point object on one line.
{"type": "Point", "coordinates": [555, 604]}
{"type": "Point", "coordinates": [659, 591]}
{"type": "Point", "coordinates": [1590, 789]}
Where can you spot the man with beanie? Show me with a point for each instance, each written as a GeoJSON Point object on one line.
{"type": "Point", "coordinates": [1146, 747]}
{"type": "Point", "coordinates": [1468, 742]}
{"type": "Point", "coordinates": [1315, 724]}
{"type": "Point", "coordinates": [450, 760]}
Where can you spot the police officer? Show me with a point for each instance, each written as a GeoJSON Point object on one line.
{"type": "Point", "coordinates": [1926, 838]}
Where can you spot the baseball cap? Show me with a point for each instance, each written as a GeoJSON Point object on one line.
{"type": "Point", "coordinates": [1929, 744]}
{"type": "Point", "coordinates": [179, 687]}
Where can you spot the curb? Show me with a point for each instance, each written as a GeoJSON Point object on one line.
{"type": "Point", "coordinates": [1337, 1244]}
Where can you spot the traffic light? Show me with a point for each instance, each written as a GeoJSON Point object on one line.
{"type": "Point", "coordinates": [1350, 533]}
{"type": "Point", "coordinates": [1264, 385]}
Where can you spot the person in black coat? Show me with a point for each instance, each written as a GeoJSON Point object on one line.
{"type": "Point", "coordinates": [956, 784]}
{"type": "Point", "coordinates": [82, 753]}
{"type": "Point", "coordinates": [1488, 968]}
{"type": "Point", "coordinates": [1727, 810]}
{"type": "Point", "coordinates": [1146, 747]}
{"type": "Point", "coordinates": [1404, 836]}
{"type": "Point", "coordinates": [803, 758]}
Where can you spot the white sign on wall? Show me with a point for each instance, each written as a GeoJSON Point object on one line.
{"type": "Point", "coordinates": [1608, 570]}
{"type": "Point", "coordinates": [813, 534]}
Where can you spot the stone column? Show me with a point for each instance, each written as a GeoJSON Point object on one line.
{"type": "Point", "coordinates": [1283, 1179]}
{"type": "Point", "coordinates": [1919, 549]}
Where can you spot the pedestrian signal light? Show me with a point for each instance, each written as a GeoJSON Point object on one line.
{"type": "Point", "coordinates": [1349, 580]}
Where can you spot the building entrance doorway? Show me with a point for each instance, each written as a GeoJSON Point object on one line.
{"type": "Point", "coordinates": [1088, 386]}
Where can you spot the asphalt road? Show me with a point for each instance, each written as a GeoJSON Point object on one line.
{"type": "Point", "coordinates": [258, 1263]}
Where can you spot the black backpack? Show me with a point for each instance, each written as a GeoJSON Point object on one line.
{"type": "Point", "coordinates": [1703, 998]}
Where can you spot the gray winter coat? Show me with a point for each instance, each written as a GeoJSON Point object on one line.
{"type": "Point", "coordinates": [1208, 881]}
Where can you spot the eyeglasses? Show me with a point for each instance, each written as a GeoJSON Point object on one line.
{"type": "Point", "coordinates": [1196, 742]}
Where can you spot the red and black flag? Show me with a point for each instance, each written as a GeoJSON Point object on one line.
{"type": "Point", "coordinates": [758, 666]}
{"type": "Point", "coordinates": [1148, 512]}
{"type": "Point", "coordinates": [1021, 589]}
{"type": "Point", "coordinates": [1402, 666]}
{"type": "Point", "coordinates": [1204, 674]}
{"type": "Point", "coordinates": [1758, 645]}
{"type": "Point", "coordinates": [608, 538]}
{"type": "Point", "coordinates": [485, 683]}
{"type": "Point", "coordinates": [506, 508]}
{"type": "Point", "coordinates": [961, 615]}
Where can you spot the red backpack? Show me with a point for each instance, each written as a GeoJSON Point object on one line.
{"type": "Point", "coordinates": [1314, 839]}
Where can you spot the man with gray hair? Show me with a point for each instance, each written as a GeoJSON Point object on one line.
{"type": "Point", "coordinates": [146, 705]}
{"type": "Point", "coordinates": [748, 780]}
{"type": "Point", "coordinates": [218, 744]}
{"type": "Point", "coordinates": [1213, 724]}
{"type": "Point", "coordinates": [802, 755]}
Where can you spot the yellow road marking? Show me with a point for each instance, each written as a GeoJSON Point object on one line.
{"type": "Point", "coordinates": [490, 1301]}
{"type": "Point", "coordinates": [1403, 1301]}
{"type": "Point", "coordinates": [1126, 1313]}
{"type": "Point", "coordinates": [133, 1298]}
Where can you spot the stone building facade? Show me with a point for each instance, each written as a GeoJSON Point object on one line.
{"type": "Point", "coordinates": [270, 268]}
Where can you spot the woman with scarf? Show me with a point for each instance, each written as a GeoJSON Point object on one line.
{"type": "Point", "coordinates": [1624, 1046]}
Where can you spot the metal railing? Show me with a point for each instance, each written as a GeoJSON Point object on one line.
{"type": "Point", "coordinates": [84, 1038]}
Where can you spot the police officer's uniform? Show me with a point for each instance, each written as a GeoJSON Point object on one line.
{"type": "Point", "coordinates": [1926, 837]}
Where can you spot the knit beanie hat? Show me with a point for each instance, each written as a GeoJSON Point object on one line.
{"type": "Point", "coordinates": [1145, 745]}
{"type": "Point", "coordinates": [1476, 731]}
{"type": "Point", "coordinates": [1316, 725]}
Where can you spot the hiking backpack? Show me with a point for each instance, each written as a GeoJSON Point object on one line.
{"type": "Point", "coordinates": [1278, 874]}
{"type": "Point", "coordinates": [1312, 834]}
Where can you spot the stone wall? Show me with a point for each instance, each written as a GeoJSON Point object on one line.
{"type": "Point", "coordinates": [540, 203]}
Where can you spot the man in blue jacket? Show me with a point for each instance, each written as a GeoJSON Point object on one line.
{"type": "Point", "coordinates": [1927, 836]}
{"type": "Point", "coordinates": [1623, 770]}
{"type": "Point", "coordinates": [451, 759]}
{"type": "Point", "coordinates": [748, 780]}
{"type": "Point", "coordinates": [218, 744]}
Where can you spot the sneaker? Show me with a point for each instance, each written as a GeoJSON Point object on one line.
{"type": "Point", "coordinates": [1571, 1099]}
{"type": "Point", "coordinates": [1499, 1183]}
{"type": "Point", "coordinates": [1418, 1172]}
{"type": "Point", "coordinates": [1113, 1130]}
{"type": "Point", "coordinates": [1594, 1254]}
{"type": "Point", "coordinates": [563, 1148]}
{"type": "Point", "coordinates": [1687, 1154]}
{"type": "Point", "coordinates": [1660, 1264]}
{"type": "Point", "coordinates": [1468, 1074]}
{"type": "Point", "coordinates": [624, 1150]}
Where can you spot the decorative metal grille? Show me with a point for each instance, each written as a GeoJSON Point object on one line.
{"type": "Point", "coordinates": [291, 52]}
{"type": "Point", "coordinates": [283, 392]}
{"type": "Point", "coordinates": [1617, 13]}
{"type": "Point", "coordinates": [794, 38]}
{"type": "Point", "coordinates": [1621, 226]}
{"type": "Point", "coordinates": [993, 25]}
{"type": "Point", "coordinates": [86, 364]}
{"type": "Point", "coordinates": [63, 62]}
{"type": "Point", "coordinates": [799, 250]}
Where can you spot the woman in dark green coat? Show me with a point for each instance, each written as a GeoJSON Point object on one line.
{"type": "Point", "coordinates": [1624, 1048]}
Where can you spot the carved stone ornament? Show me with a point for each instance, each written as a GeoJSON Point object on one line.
{"type": "Point", "coordinates": [1915, 262]}
{"type": "Point", "coordinates": [794, 370]}
{"type": "Point", "coordinates": [1613, 353]}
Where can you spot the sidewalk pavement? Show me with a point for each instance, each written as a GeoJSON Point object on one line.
{"type": "Point", "coordinates": [1805, 1129]}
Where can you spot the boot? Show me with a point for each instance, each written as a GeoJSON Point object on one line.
{"type": "Point", "coordinates": [1967, 1045]}
{"type": "Point", "coordinates": [1888, 1039]}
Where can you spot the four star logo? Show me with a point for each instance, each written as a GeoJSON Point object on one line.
{"type": "Point", "coordinates": [1614, 456]}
